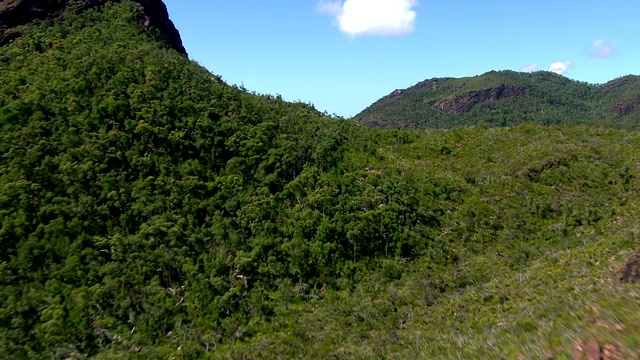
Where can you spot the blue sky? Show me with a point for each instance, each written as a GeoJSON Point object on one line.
{"type": "Point", "coordinates": [342, 55]}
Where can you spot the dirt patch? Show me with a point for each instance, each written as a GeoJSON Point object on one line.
{"type": "Point", "coordinates": [534, 172]}
{"type": "Point", "coordinates": [587, 350]}
{"type": "Point", "coordinates": [610, 352]}
{"type": "Point", "coordinates": [590, 350]}
{"type": "Point", "coordinates": [630, 272]}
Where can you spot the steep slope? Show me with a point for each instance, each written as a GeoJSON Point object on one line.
{"type": "Point", "coordinates": [622, 97]}
{"type": "Point", "coordinates": [16, 13]}
{"type": "Point", "coordinates": [504, 98]}
{"type": "Point", "coordinates": [140, 192]}
{"type": "Point", "coordinates": [149, 210]}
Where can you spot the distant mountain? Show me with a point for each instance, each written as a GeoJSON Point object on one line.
{"type": "Point", "coordinates": [504, 98]}
{"type": "Point", "coordinates": [621, 97]}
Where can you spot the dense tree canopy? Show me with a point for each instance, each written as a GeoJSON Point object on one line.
{"type": "Point", "coordinates": [148, 209]}
{"type": "Point", "coordinates": [136, 183]}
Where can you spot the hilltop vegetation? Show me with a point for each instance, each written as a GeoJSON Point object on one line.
{"type": "Point", "coordinates": [149, 210]}
{"type": "Point", "coordinates": [140, 191]}
{"type": "Point", "coordinates": [507, 98]}
{"type": "Point", "coordinates": [152, 14]}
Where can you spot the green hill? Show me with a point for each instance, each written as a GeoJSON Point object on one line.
{"type": "Point", "coordinates": [506, 98]}
{"type": "Point", "coordinates": [149, 210]}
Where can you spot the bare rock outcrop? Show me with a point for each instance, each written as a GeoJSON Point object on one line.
{"type": "Point", "coordinates": [462, 104]}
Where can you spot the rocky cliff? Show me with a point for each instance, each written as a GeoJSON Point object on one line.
{"type": "Point", "coordinates": [14, 13]}
{"type": "Point", "coordinates": [463, 104]}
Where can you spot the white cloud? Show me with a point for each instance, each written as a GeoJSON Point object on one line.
{"type": "Point", "coordinates": [601, 48]}
{"type": "Point", "coordinates": [371, 17]}
{"type": "Point", "coordinates": [560, 67]}
{"type": "Point", "coordinates": [529, 68]}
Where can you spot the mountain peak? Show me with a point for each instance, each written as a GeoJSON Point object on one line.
{"type": "Point", "coordinates": [15, 13]}
{"type": "Point", "coordinates": [505, 98]}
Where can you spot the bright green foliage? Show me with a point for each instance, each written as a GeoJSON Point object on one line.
{"type": "Point", "coordinates": [149, 210]}
{"type": "Point", "coordinates": [506, 98]}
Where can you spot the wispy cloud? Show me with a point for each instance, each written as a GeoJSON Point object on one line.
{"type": "Point", "coordinates": [329, 7]}
{"type": "Point", "coordinates": [529, 68]}
{"type": "Point", "coordinates": [560, 67]}
{"type": "Point", "coordinates": [601, 48]}
{"type": "Point", "coordinates": [371, 17]}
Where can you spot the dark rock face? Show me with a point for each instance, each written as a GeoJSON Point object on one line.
{"type": "Point", "coordinates": [626, 80]}
{"type": "Point", "coordinates": [396, 94]}
{"type": "Point", "coordinates": [462, 104]}
{"type": "Point", "coordinates": [14, 13]}
{"type": "Point", "coordinates": [623, 108]}
{"type": "Point", "coordinates": [630, 273]}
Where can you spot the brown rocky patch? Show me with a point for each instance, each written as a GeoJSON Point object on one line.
{"type": "Point", "coordinates": [587, 350]}
{"type": "Point", "coordinates": [462, 104]}
{"type": "Point", "coordinates": [630, 272]}
{"type": "Point", "coordinates": [610, 352]}
{"type": "Point", "coordinates": [534, 172]}
{"type": "Point", "coordinates": [618, 82]}
{"type": "Point", "coordinates": [623, 108]}
{"type": "Point", "coordinates": [590, 350]}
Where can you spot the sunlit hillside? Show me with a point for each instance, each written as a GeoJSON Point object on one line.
{"type": "Point", "coordinates": [150, 210]}
{"type": "Point", "coordinates": [507, 98]}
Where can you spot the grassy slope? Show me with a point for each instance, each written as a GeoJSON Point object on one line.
{"type": "Point", "coordinates": [107, 145]}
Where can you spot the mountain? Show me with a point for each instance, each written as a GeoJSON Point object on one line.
{"type": "Point", "coordinates": [505, 98]}
{"type": "Point", "coordinates": [150, 210]}
{"type": "Point", "coordinates": [16, 13]}
{"type": "Point", "coordinates": [621, 97]}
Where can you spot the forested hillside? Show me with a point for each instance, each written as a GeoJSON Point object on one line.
{"type": "Point", "coordinates": [506, 98]}
{"type": "Point", "coordinates": [150, 210]}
